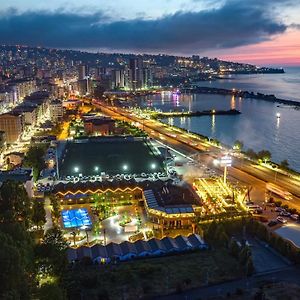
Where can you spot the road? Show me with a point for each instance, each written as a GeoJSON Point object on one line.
{"type": "Point", "coordinates": [243, 170]}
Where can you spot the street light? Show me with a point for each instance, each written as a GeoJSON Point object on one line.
{"type": "Point", "coordinates": [125, 167]}
{"type": "Point", "coordinates": [76, 169]}
{"type": "Point", "coordinates": [153, 166]}
{"type": "Point", "coordinates": [96, 169]}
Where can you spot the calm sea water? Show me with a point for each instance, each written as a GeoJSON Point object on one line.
{"type": "Point", "coordinates": [257, 126]}
{"type": "Point", "coordinates": [285, 86]}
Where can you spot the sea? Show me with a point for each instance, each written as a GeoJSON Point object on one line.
{"type": "Point", "coordinates": [258, 126]}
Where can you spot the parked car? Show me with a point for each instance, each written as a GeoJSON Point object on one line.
{"type": "Point", "coordinates": [278, 209]}
{"type": "Point", "coordinates": [284, 213]}
{"type": "Point", "coordinates": [272, 223]}
{"type": "Point", "coordinates": [258, 211]}
{"type": "Point", "coordinates": [294, 217]}
{"type": "Point", "coordinates": [281, 220]}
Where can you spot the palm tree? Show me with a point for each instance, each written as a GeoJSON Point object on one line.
{"type": "Point", "coordinates": [74, 233]}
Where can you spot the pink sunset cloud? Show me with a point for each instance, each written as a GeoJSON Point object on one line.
{"type": "Point", "coordinates": [282, 50]}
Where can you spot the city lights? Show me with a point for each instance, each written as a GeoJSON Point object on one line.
{"type": "Point", "coordinates": [153, 166]}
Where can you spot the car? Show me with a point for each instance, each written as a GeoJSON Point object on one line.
{"type": "Point", "coordinates": [281, 220]}
{"type": "Point", "coordinates": [294, 217]}
{"type": "Point", "coordinates": [272, 223]}
{"type": "Point", "coordinates": [284, 213]}
{"type": "Point", "coordinates": [278, 209]}
{"type": "Point", "coordinates": [258, 211]}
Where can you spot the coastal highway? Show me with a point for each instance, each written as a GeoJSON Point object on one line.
{"type": "Point", "coordinates": [243, 170]}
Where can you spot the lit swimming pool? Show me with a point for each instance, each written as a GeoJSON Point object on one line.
{"type": "Point", "coordinates": [74, 218]}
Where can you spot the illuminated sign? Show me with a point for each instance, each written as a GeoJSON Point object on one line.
{"type": "Point", "coordinates": [226, 161]}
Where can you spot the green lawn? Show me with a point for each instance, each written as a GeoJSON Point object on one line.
{"type": "Point", "coordinates": [111, 157]}
{"type": "Point", "coordinates": [156, 276]}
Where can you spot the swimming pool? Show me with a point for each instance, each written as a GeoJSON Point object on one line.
{"type": "Point", "coordinates": [74, 218]}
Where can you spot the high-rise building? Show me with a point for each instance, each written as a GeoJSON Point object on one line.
{"type": "Point", "coordinates": [136, 68]}
{"type": "Point", "coordinates": [12, 125]}
{"type": "Point", "coordinates": [56, 111]}
{"type": "Point", "coordinates": [118, 79]}
{"type": "Point", "coordinates": [82, 72]}
{"type": "Point", "coordinates": [148, 77]}
{"type": "Point", "coordinates": [127, 78]}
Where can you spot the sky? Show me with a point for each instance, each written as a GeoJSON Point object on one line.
{"type": "Point", "coordinates": [262, 32]}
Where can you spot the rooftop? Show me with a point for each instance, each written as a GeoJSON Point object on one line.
{"type": "Point", "coordinates": [21, 175]}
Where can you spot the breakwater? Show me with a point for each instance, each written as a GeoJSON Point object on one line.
{"type": "Point", "coordinates": [239, 93]}
{"type": "Point", "coordinates": [161, 115]}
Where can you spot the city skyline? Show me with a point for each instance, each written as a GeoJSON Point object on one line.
{"type": "Point", "coordinates": [254, 32]}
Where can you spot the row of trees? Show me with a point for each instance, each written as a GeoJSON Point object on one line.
{"type": "Point", "coordinates": [263, 155]}
{"type": "Point", "coordinates": [24, 262]}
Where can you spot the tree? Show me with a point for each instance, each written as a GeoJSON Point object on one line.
{"type": "Point", "coordinates": [55, 239]}
{"type": "Point", "coordinates": [51, 254]}
{"type": "Point", "coordinates": [51, 291]}
{"type": "Point", "coordinates": [14, 203]}
{"type": "Point", "coordinates": [284, 164]}
{"type": "Point", "coordinates": [15, 269]}
{"type": "Point", "coordinates": [55, 207]}
{"type": "Point", "coordinates": [238, 145]}
{"type": "Point", "coordinates": [234, 248]}
{"type": "Point", "coordinates": [35, 159]}
{"type": "Point", "coordinates": [249, 267]}
{"type": "Point", "coordinates": [244, 254]}
{"type": "Point", "coordinates": [264, 155]}
{"type": "Point", "coordinates": [251, 154]}
{"type": "Point", "coordinates": [38, 214]}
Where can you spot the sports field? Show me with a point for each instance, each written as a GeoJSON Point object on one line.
{"type": "Point", "coordinates": [112, 156]}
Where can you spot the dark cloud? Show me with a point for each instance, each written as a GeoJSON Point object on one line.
{"type": "Point", "coordinates": [236, 23]}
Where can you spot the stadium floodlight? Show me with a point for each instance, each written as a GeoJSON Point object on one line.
{"type": "Point", "coordinates": [153, 166]}
{"type": "Point", "coordinates": [125, 167]}
{"type": "Point", "coordinates": [76, 169]}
